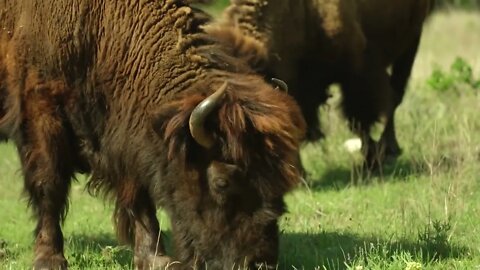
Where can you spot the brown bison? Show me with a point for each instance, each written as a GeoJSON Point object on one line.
{"type": "Point", "coordinates": [313, 43]}
{"type": "Point", "coordinates": [136, 94]}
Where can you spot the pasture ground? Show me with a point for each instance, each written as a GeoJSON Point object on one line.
{"type": "Point", "coordinates": [421, 213]}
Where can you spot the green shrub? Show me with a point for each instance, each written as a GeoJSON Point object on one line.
{"type": "Point", "coordinates": [458, 78]}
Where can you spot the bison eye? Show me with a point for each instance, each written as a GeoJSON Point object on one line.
{"type": "Point", "coordinates": [220, 183]}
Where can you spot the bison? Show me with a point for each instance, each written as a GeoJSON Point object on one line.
{"type": "Point", "coordinates": [313, 43]}
{"type": "Point", "coordinates": [159, 113]}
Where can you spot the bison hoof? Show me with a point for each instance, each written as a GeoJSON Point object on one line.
{"type": "Point", "coordinates": [375, 160]}
{"type": "Point", "coordinates": [57, 262]}
{"type": "Point", "coordinates": [159, 262]}
{"type": "Point", "coordinates": [392, 153]}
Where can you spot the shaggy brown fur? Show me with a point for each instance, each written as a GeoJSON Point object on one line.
{"type": "Point", "coordinates": [107, 87]}
{"type": "Point", "coordinates": [313, 43]}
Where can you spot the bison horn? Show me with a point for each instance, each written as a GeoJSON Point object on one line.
{"type": "Point", "coordinates": [280, 84]}
{"type": "Point", "coordinates": [200, 113]}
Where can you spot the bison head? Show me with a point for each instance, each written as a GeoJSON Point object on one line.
{"type": "Point", "coordinates": [234, 150]}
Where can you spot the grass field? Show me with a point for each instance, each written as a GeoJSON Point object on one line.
{"type": "Point", "coordinates": [421, 213]}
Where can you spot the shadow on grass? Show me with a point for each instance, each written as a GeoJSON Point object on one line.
{"type": "Point", "coordinates": [339, 177]}
{"type": "Point", "coordinates": [299, 250]}
{"type": "Point", "coordinates": [336, 251]}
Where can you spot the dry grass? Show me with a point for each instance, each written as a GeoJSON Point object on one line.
{"type": "Point", "coordinates": [448, 34]}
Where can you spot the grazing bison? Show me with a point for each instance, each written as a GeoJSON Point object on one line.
{"type": "Point", "coordinates": [313, 43]}
{"type": "Point", "coordinates": [136, 94]}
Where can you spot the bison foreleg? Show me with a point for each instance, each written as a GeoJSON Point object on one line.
{"type": "Point", "coordinates": [48, 168]}
{"type": "Point", "coordinates": [367, 97]}
{"type": "Point", "coordinates": [310, 93]}
{"type": "Point", "coordinates": [137, 224]}
{"type": "Point", "coordinates": [401, 71]}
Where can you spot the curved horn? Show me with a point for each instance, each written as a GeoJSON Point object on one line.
{"type": "Point", "coordinates": [200, 113]}
{"type": "Point", "coordinates": [280, 84]}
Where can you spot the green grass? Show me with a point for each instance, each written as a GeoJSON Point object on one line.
{"type": "Point", "coordinates": [424, 210]}
{"type": "Point", "coordinates": [216, 7]}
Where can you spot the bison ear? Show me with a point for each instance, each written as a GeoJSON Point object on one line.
{"type": "Point", "coordinates": [170, 123]}
{"type": "Point", "coordinates": [172, 116]}
{"type": "Point", "coordinates": [159, 118]}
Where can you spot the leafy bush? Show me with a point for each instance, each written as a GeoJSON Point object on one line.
{"type": "Point", "coordinates": [459, 77]}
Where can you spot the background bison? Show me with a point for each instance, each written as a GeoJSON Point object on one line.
{"type": "Point", "coordinates": [313, 43]}
{"type": "Point", "coordinates": [159, 114]}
